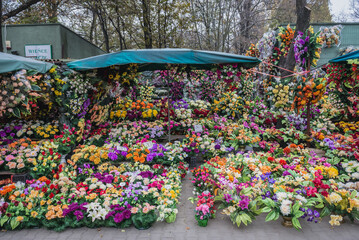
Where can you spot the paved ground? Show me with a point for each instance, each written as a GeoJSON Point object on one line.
{"type": "Point", "coordinates": [185, 227]}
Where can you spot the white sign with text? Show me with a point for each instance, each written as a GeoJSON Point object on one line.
{"type": "Point", "coordinates": [198, 128]}
{"type": "Point", "coordinates": [38, 51]}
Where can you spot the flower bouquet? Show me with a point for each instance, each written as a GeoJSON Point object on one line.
{"type": "Point", "coordinates": [205, 208]}
{"type": "Point", "coordinates": [238, 203]}
{"type": "Point", "coordinates": [338, 204]}
{"type": "Point", "coordinates": [291, 205]}
{"type": "Point", "coordinates": [331, 35]}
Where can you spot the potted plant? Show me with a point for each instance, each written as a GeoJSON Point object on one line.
{"type": "Point", "coordinates": [290, 205]}
{"type": "Point", "coordinates": [205, 208]}
{"type": "Point", "coordinates": [338, 204]}
{"type": "Point", "coordinates": [143, 216]}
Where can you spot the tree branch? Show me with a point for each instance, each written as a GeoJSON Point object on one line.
{"type": "Point", "coordinates": [21, 8]}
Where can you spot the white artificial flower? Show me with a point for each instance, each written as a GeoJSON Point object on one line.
{"type": "Point", "coordinates": [281, 196]}
{"type": "Point", "coordinates": [285, 207]}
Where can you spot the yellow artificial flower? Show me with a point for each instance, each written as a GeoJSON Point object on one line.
{"type": "Point", "coordinates": [332, 172]}
{"type": "Point", "coordinates": [34, 214]}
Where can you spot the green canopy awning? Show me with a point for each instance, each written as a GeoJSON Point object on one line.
{"type": "Point", "coordinates": [157, 59]}
{"type": "Point", "coordinates": [10, 63]}
{"type": "Point", "coordinates": [346, 57]}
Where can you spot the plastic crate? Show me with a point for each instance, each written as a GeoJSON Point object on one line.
{"type": "Point", "coordinates": [195, 161]}
{"type": "Point", "coordinates": [20, 177]}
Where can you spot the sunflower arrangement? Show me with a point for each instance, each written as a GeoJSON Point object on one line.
{"type": "Point", "coordinates": [125, 77]}
{"type": "Point", "coordinates": [230, 104]}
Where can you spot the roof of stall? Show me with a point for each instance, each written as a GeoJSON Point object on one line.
{"type": "Point", "coordinates": [156, 59]}
{"type": "Point", "coordinates": [346, 57]}
{"type": "Point", "coordinates": [10, 63]}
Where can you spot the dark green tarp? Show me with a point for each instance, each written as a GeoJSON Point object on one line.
{"type": "Point", "coordinates": [346, 57]}
{"type": "Point", "coordinates": [156, 59]}
{"type": "Point", "coordinates": [10, 63]}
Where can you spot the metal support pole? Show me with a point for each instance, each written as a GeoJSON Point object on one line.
{"type": "Point", "coordinates": [169, 119]}
{"type": "Point", "coordinates": [168, 114]}
{"type": "Point", "coordinates": [309, 100]}
{"type": "Point", "coordinates": [308, 118]}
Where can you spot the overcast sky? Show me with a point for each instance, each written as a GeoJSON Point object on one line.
{"type": "Point", "coordinates": [341, 10]}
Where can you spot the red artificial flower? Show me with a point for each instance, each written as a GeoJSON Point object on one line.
{"type": "Point", "coordinates": [325, 193]}
{"type": "Point", "coordinates": [271, 159]}
{"type": "Point", "coordinates": [51, 195]}
{"type": "Point", "coordinates": [286, 150]}
{"type": "Point", "coordinates": [282, 162]}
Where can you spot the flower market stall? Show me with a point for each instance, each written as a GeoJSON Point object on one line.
{"type": "Point", "coordinates": [94, 145]}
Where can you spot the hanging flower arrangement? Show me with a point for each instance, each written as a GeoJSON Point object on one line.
{"type": "Point", "coordinates": [310, 89]}
{"type": "Point", "coordinates": [307, 48]}
{"type": "Point", "coordinates": [337, 73]}
{"type": "Point", "coordinates": [331, 35]}
{"type": "Point", "coordinates": [16, 93]}
{"type": "Point", "coordinates": [266, 43]}
{"type": "Point", "coordinates": [285, 37]}
{"type": "Point", "coordinates": [252, 51]}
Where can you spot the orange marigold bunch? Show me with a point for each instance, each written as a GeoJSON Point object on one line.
{"type": "Point", "coordinates": [7, 189]}
{"type": "Point", "coordinates": [311, 90]}
{"type": "Point", "coordinates": [141, 105]}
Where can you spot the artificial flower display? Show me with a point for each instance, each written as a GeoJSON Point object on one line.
{"type": "Point", "coordinates": [110, 147]}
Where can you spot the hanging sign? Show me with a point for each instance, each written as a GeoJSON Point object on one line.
{"type": "Point", "coordinates": [198, 128]}
{"type": "Point", "coordinates": [122, 149]}
{"type": "Point", "coordinates": [148, 145]}
{"type": "Point", "coordinates": [38, 51]}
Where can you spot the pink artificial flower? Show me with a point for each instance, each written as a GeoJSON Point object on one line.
{"type": "Point", "coordinates": [9, 158]}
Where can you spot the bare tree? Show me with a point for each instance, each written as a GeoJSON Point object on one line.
{"type": "Point", "coordinates": [13, 13]}
{"type": "Point", "coordinates": [1, 43]}
{"type": "Point", "coordinates": [355, 7]}
{"type": "Point", "coordinates": [228, 25]}
{"type": "Point", "coordinates": [303, 19]}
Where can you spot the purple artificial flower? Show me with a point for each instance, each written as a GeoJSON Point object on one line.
{"type": "Point", "coordinates": [118, 217]}
{"type": "Point", "coordinates": [112, 156]}
{"type": "Point", "coordinates": [310, 212]}
{"type": "Point", "coordinates": [146, 174]}
{"type": "Point", "coordinates": [243, 204]}
{"type": "Point", "coordinates": [2, 134]}
{"type": "Point", "coordinates": [110, 214]}
{"type": "Point", "coordinates": [79, 215]}
{"type": "Point", "coordinates": [126, 214]}
{"type": "Point", "coordinates": [150, 157]}
{"type": "Point", "coordinates": [227, 197]}
{"type": "Point", "coordinates": [107, 179]}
